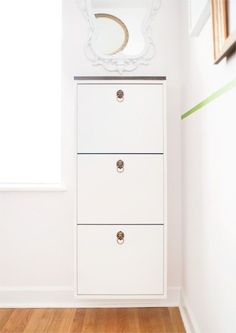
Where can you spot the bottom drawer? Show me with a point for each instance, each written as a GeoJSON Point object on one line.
{"type": "Point", "coordinates": [109, 266]}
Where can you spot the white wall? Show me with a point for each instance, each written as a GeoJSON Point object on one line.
{"type": "Point", "coordinates": [209, 188]}
{"type": "Point", "coordinates": [37, 228]}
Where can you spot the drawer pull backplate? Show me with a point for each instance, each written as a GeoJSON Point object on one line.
{"type": "Point", "coordinates": [120, 237]}
{"type": "Point", "coordinates": [120, 96]}
{"type": "Point", "coordinates": [120, 166]}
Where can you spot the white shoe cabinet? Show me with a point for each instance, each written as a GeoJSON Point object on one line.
{"type": "Point", "coordinates": [121, 187]}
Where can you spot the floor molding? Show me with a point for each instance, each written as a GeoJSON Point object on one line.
{"type": "Point", "coordinates": [187, 315]}
{"type": "Point", "coordinates": [63, 297]}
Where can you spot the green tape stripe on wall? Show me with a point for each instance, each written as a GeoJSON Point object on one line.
{"type": "Point", "coordinates": [211, 98]}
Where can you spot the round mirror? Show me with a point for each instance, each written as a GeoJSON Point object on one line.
{"type": "Point", "coordinates": [112, 35]}
{"type": "Point", "coordinates": [120, 36]}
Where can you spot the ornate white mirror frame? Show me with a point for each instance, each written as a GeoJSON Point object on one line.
{"type": "Point", "coordinates": [120, 62]}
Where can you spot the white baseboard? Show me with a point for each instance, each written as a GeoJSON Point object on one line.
{"type": "Point", "coordinates": [34, 297]}
{"type": "Point", "coordinates": [63, 297]}
{"type": "Point", "coordinates": [187, 315]}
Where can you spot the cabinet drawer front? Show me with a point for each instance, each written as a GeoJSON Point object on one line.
{"type": "Point", "coordinates": [106, 125]}
{"type": "Point", "coordinates": [132, 268]}
{"type": "Point", "coordinates": [106, 195]}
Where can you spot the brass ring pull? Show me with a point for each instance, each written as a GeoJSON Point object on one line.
{"type": "Point", "coordinates": [120, 237]}
{"type": "Point", "coordinates": [120, 96]}
{"type": "Point", "coordinates": [120, 166]}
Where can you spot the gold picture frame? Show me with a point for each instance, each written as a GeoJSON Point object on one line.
{"type": "Point", "coordinates": [224, 39]}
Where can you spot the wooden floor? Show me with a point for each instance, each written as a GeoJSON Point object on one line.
{"type": "Point", "coordinates": [130, 320]}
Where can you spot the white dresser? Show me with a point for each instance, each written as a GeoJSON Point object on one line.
{"type": "Point", "coordinates": [121, 187]}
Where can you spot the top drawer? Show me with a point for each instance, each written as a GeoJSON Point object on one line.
{"type": "Point", "coordinates": [120, 118]}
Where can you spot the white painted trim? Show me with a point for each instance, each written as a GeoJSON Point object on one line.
{"type": "Point", "coordinates": [185, 319]}
{"type": "Point", "coordinates": [187, 315]}
{"type": "Point", "coordinates": [63, 297]}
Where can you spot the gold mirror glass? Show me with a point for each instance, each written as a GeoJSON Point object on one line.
{"type": "Point", "coordinates": [112, 35]}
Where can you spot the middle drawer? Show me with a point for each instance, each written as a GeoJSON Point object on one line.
{"type": "Point", "coordinates": [120, 189]}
